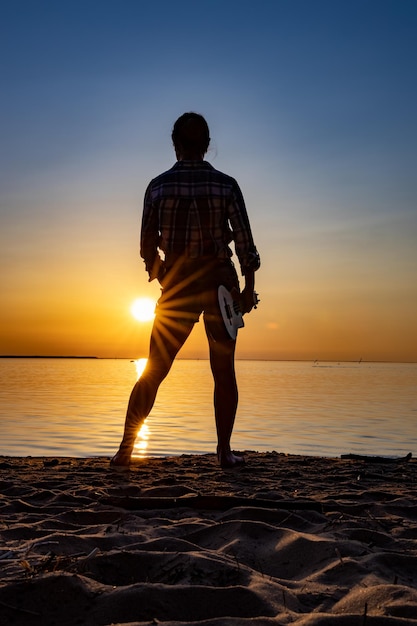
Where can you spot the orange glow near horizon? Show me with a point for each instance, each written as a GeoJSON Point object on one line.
{"type": "Point", "coordinates": [287, 325]}
{"type": "Point", "coordinates": [325, 305]}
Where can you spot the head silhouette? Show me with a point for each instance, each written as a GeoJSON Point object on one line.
{"type": "Point", "coordinates": [191, 136]}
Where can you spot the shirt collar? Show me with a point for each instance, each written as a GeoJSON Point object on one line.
{"type": "Point", "coordinates": [193, 164]}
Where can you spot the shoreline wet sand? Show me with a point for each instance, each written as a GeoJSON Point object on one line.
{"type": "Point", "coordinates": [286, 539]}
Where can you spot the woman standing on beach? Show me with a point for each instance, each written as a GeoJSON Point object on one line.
{"type": "Point", "coordinates": [191, 214]}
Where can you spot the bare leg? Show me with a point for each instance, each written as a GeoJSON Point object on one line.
{"type": "Point", "coordinates": [222, 362]}
{"type": "Point", "coordinates": [166, 339]}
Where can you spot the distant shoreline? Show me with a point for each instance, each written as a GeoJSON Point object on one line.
{"type": "Point", "coordinates": [127, 358]}
{"type": "Point", "coordinates": [40, 356]}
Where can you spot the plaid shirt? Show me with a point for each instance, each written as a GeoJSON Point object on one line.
{"type": "Point", "coordinates": [193, 210]}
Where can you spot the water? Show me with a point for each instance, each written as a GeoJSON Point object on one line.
{"type": "Point", "coordinates": [76, 407]}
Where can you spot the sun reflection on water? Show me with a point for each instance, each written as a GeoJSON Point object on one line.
{"type": "Point", "coordinates": [140, 365]}
{"type": "Point", "coordinates": [142, 440]}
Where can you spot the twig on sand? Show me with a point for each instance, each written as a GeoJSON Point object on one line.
{"type": "Point", "coordinates": [19, 608]}
{"type": "Point", "coordinates": [81, 565]}
{"type": "Point", "coordinates": [365, 613]}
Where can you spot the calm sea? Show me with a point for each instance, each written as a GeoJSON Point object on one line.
{"type": "Point", "coordinates": [76, 407]}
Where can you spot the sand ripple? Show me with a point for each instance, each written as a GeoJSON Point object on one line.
{"type": "Point", "coordinates": [81, 544]}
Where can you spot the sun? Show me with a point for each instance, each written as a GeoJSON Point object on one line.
{"type": "Point", "coordinates": [143, 309]}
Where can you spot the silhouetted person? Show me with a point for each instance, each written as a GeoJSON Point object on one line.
{"type": "Point", "coordinates": [191, 214]}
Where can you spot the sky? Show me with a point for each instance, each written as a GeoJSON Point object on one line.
{"type": "Point", "coordinates": [312, 108]}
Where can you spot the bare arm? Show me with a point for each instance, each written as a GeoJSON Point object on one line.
{"type": "Point", "coordinates": [247, 296]}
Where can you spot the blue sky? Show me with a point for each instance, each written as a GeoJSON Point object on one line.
{"type": "Point", "coordinates": [311, 106]}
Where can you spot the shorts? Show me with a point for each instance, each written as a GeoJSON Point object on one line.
{"type": "Point", "coordinates": [192, 289]}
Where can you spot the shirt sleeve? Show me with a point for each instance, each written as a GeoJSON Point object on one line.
{"type": "Point", "coordinates": [242, 235]}
{"type": "Point", "coordinates": [149, 234]}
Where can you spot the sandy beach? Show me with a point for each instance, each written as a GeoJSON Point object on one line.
{"type": "Point", "coordinates": [284, 540]}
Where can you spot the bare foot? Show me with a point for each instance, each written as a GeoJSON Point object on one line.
{"type": "Point", "coordinates": [229, 460]}
{"type": "Point", "coordinates": [120, 461]}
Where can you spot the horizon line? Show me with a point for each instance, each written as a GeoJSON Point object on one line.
{"type": "Point", "coordinates": [131, 358]}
